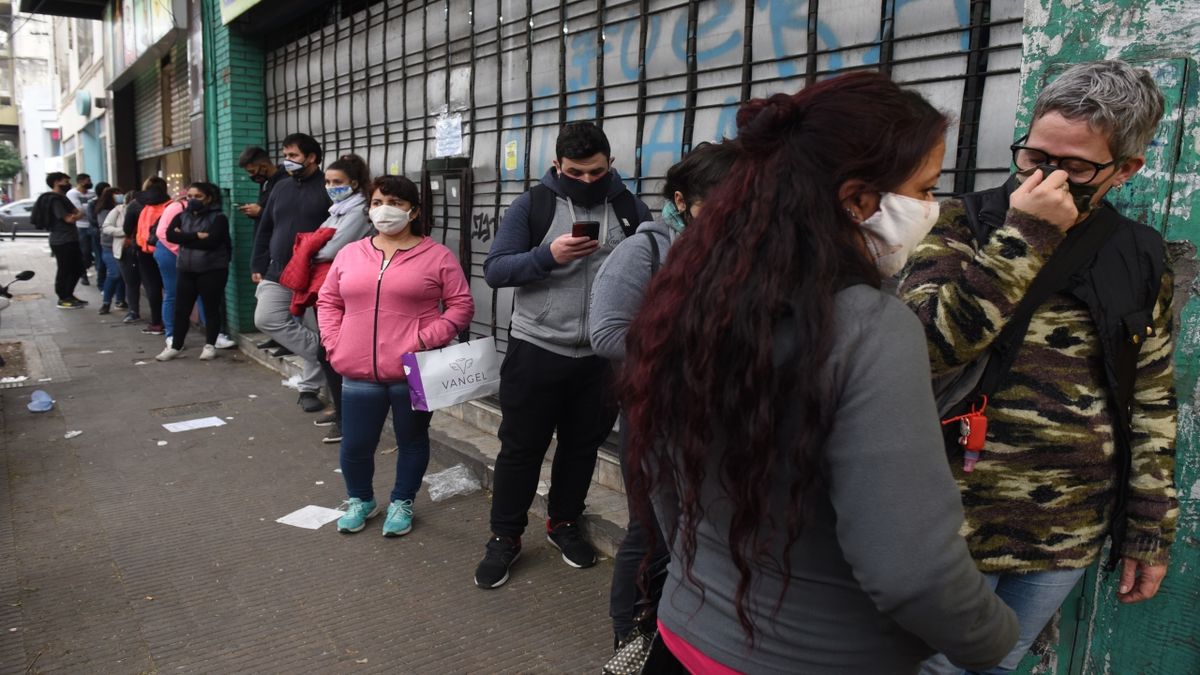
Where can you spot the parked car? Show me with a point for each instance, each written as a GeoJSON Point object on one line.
{"type": "Point", "coordinates": [14, 217]}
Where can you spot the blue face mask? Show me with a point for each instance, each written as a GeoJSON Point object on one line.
{"type": "Point", "coordinates": [672, 217]}
{"type": "Point", "coordinates": [120, 199]}
{"type": "Point", "coordinates": [339, 193]}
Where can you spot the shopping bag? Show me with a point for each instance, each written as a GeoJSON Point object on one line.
{"type": "Point", "coordinates": [440, 378]}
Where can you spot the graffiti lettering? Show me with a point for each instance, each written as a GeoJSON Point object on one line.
{"type": "Point", "coordinates": [482, 226]}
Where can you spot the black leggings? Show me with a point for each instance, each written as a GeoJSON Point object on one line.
{"type": "Point", "coordinates": [152, 284]}
{"type": "Point", "coordinates": [208, 286]}
{"type": "Point", "coordinates": [70, 266]}
{"type": "Point", "coordinates": [133, 280]}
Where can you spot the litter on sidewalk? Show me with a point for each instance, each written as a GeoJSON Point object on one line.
{"type": "Point", "coordinates": [189, 425]}
{"type": "Point", "coordinates": [72, 434]}
{"type": "Point", "coordinates": [40, 401]}
{"type": "Point", "coordinates": [311, 517]}
{"type": "Point", "coordinates": [457, 480]}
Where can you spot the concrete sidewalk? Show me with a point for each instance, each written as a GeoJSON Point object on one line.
{"type": "Point", "coordinates": [121, 555]}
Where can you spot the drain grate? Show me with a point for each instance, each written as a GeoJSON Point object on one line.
{"type": "Point", "coordinates": [188, 409]}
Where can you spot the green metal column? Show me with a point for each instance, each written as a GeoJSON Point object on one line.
{"type": "Point", "coordinates": [235, 116]}
{"type": "Point", "coordinates": [1162, 635]}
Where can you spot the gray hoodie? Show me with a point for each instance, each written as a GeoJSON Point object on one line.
{"type": "Point", "coordinates": [551, 301]}
{"type": "Point", "coordinates": [621, 284]}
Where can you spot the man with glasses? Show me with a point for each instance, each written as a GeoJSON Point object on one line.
{"type": "Point", "coordinates": [1064, 306]}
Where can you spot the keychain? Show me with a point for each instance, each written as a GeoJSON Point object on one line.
{"type": "Point", "coordinates": [972, 433]}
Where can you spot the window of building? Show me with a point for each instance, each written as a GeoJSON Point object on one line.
{"type": "Point", "coordinates": [85, 47]}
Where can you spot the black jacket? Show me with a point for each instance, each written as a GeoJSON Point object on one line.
{"type": "Point", "coordinates": [295, 206]}
{"type": "Point", "coordinates": [198, 255]}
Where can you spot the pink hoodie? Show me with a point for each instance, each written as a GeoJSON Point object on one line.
{"type": "Point", "coordinates": [173, 209]}
{"type": "Point", "coordinates": [370, 315]}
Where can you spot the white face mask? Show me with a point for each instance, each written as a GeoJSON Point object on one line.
{"type": "Point", "coordinates": [389, 219]}
{"type": "Point", "coordinates": [896, 229]}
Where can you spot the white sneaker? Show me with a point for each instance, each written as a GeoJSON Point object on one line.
{"type": "Point", "coordinates": [208, 353]}
{"type": "Point", "coordinates": [167, 354]}
{"type": "Point", "coordinates": [223, 342]}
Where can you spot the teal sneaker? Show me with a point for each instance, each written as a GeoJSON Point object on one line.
{"type": "Point", "coordinates": [399, 518]}
{"type": "Point", "coordinates": [357, 513]}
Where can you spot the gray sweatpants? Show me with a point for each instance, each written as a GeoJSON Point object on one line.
{"type": "Point", "coordinates": [272, 317]}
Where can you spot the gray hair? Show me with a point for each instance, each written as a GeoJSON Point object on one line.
{"type": "Point", "coordinates": [1112, 96]}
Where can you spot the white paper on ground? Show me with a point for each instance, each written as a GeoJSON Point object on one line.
{"type": "Point", "coordinates": [200, 423]}
{"type": "Point", "coordinates": [292, 382]}
{"type": "Point", "coordinates": [10, 380]}
{"type": "Point", "coordinates": [311, 517]}
{"type": "Point", "coordinates": [72, 434]}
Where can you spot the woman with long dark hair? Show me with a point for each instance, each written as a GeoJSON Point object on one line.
{"type": "Point", "coordinates": [113, 287]}
{"type": "Point", "coordinates": [780, 410]}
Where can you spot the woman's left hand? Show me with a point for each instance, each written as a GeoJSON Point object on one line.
{"type": "Point", "coordinates": [202, 235]}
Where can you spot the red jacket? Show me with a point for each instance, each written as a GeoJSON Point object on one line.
{"type": "Point", "coordinates": [301, 275]}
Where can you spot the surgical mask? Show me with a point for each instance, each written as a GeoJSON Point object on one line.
{"type": "Point", "coordinates": [896, 229]}
{"type": "Point", "coordinates": [586, 194]}
{"type": "Point", "coordinates": [389, 219]}
{"type": "Point", "coordinates": [195, 205]}
{"type": "Point", "coordinates": [338, 193]}
{"type": "Point", "coordinates": [292, 167]}
{"type": "Point", "coordinates": [120, 199]}
{"type": "Point", "coordinates": [672, 217]}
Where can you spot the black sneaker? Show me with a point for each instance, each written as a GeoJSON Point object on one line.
{"type": "Point", "coordinates": [104, 308]}
{"type": "Point", "coordinates": [310, 402]}
{"type": "Point", "coordinates": [269, 343]}
{"type": "Point", "coordinates": [69, 304]}
{"type": "Point", "coordinates": [131, 317]}
{"type": "Point", "coordinates": [82, 302]}
{"type": "Point", "coordinates": [334, 435]}
{"type": "Point", "coordinates": [500, 554]}
{"type": "Point", "coordinates": [326, 420]}
{"type": "Point", "coordinates": [121, 305]}
{"type": "Point", "coordinates": [280, 352]}
{"type": "Point", "coordinates": [567, 537]}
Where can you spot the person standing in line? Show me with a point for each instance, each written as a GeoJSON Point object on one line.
{"type": "Point", "coordinates": [347, 182]}
{"type": "Point", "coordinates": [166, 257]}
{"type": "Point", "coordinates": [141, 218]}
{"type": "Point", "coordinates": [1080, 439]}
{"type": "Point", "coordinates": [616, 298]}
{"type": "Point", "coordinates": [257, 163]}
{"type": "Point", "coordinates": [113, 287]}
{"type": "Point", "coordinates": [54, 212]}
{"type": "Point", "coordinates": [396, 292]}
{"type": "Point", "coordinates": [202, 233]}
{"type": "Point", "coordinates": [296, 205]}
{"type": "Point", "coordinates": [125, 249]}
{"type": "Point", "coordinates": [780, 413]}
{"type": "Point", "coordinates": [96, 235]}
{"type": "Point", "coordinates": [81, 196]}
{"type": "Point", "coordinates": [551, 379]}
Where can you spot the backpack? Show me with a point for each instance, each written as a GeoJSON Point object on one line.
{"type": "Point", "coordinates": [42, 216]}
{"type": "Point", "coordinates": [544, 200]}
{"type": "Point", "coordinates": [147, 221]}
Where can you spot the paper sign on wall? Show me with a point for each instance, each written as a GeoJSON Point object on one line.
{"type": "Point", "coordinates": [449, 135]}
{"type": "Point", "coordinates": [510, 156]}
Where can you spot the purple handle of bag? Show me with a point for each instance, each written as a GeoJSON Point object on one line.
{"type": "Point", "coordinates": [416, 389]}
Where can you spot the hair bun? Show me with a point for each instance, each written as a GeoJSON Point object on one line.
{"type": "Point", "coordinates": [762, 119]}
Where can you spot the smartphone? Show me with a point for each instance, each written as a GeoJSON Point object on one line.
{"type": "Point", "coordinates": [586, 228]}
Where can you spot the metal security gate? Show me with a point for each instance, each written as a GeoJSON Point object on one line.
{"type": "Point", "coordinates": [659, 75]}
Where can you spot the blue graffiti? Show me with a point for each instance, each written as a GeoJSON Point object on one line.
{"type": "Point", "coordinates": [679, 37]}
{"type": "Point", "coordinates": [659, 142]}
{"type": "Point", "coordinates": [629, 46]}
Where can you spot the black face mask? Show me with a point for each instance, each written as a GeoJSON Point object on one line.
{"type": "Point", "coordinates": [258, 178]}
{"type": "Point", "coordinates": [87, 186]}
{"type": "Point", "coordinates": [195, 205]}
{"type": "Point", "coordinates": [585, 194]}
{"type": "Point", "coordinates": [62, 187]}
{"type": "Point", "coordinates": [1081, 194]}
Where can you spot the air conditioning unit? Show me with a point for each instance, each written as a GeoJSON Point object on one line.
{"type": "Point", "coordinates": [101, 102]}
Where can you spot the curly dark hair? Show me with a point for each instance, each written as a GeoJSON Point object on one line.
{"type": "Point", "coordinates": [705, 397]}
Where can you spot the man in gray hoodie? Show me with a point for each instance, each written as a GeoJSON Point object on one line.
{"type": "Point", "coordinates": [551, 380]}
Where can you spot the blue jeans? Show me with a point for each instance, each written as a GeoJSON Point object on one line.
{"type": "Point", "coordinates": [114, 285]}
{"type": "Point", "coordinates": [168, 268]}
{"type": "Point", "coordinates": [1035, 597]}
{"type": "Point", "coordinates": [365, 406]}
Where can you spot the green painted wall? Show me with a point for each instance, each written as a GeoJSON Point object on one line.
{"type": "Point", "coordinates": [1163, 635]}
{"type": "Point", "coordinates": [235, 116]}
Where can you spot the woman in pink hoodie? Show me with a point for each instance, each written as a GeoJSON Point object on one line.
{"type": "Point", "coordinates": [384, 297]}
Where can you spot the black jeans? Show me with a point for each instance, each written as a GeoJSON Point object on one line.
{"type": "Point", "coordinates": [70, 267]}
{"type": "Point", "coordinates": [333, 379]}
{"type": "Point", "coordinates": [628, 580]}
{"type": "Point", "coordinates": [541, 392]}
{"type": "Point", "coordinates": [152, 283]}
{"type": "Point", "coordinates": [133, 279]}
{"type": "Point", "coordinates": [209, 287]}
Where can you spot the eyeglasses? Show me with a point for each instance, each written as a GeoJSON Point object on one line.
{"type": "Point", "coordinates": [1079, 171]}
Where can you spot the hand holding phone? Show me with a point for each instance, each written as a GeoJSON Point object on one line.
{"type": "Point", "coordinates": [586, 228]}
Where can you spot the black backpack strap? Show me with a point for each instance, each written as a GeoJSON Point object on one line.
{"type": "Point", "coordinates": [541, 213]}
{"type": "Point", "coordinates": [625, 206]}
{"type": "Point", "coordinates": [654, 254]}
{"type": "Point", "coordinates": [1080, 246]}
